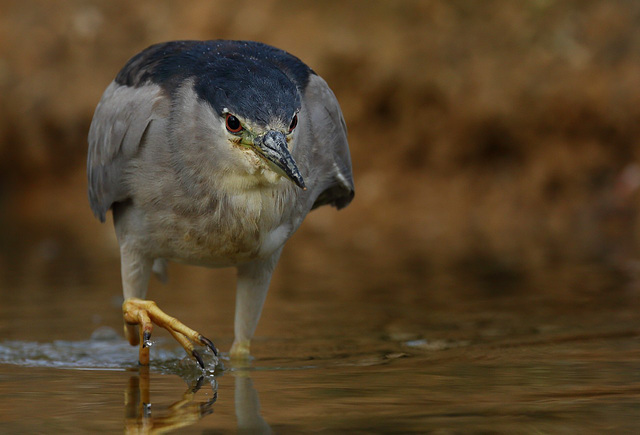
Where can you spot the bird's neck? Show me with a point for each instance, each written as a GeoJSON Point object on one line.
{"type": "Point", "coordinates": [263, 179]}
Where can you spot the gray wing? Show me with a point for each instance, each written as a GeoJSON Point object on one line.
{"type": "Point", "coordinates": [119, 124]}
{"type": "Point", "coordinates": [330, 132]}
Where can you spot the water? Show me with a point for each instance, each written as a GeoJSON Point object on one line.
{"type": "Point", "coordinates": [559, 353]}
{"type": "Point", "coordinates": [560, 384]}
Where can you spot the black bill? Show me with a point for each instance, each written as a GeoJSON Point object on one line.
{"type": "Point", "coordinates": [273, 147]}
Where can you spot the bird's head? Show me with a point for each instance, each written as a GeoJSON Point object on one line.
{"type": "Point", "coordinates": [258, 105]}
{"type": "Point", "coordinates": [269, 142]}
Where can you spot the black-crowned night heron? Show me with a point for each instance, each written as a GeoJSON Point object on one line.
{"type": "Point", "coordinates": [212, 153]}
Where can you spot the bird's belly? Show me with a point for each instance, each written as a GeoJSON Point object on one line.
{"type": "Point", "coordinates": [215, 248]}
{"type": "Point", "coordinates": [214, 241]}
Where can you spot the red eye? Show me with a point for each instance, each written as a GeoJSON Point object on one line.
{"type": "Point", "coordinates": [233, 124]}
{"type": "Point", "coordinates": [294, 122]}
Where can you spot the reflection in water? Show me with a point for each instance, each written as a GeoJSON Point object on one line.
{"type": "Point", "coordinates": [543, 381]}
{"type": "Point", "coordinates": [141, 419]}
{"type": "Point", "coordinates": [247, 405]}
{"type": "Point", "coordinates": [185, 412]}
{"type": "Point", "coordinates": [106, 351]}
{"type": "Point", "coordinates": [558, 354]}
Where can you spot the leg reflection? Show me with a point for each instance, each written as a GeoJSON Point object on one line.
{"type": "Point", "coordinates": [184, 412]}
{"type": "Point", "coordinates": [247, 405]}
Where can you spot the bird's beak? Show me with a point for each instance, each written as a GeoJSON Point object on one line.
{"type": "Point", "coordinates": [273, 147]}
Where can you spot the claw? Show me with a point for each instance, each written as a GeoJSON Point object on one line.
{"type": "Point", "coordinates": [210, 402]}
{"type": "Point", "coordinates": [198, 358]}
{"type": "Point", "coordinates": [209, 344]}
{"type": "Point", "coordinates": [205, 409]}
{"type": "Point", "coordinates": [145, 313]}
{"type": "Point", "coordinates": [146, 336]}
{"type": "Point", "coordinates": [198, 385]}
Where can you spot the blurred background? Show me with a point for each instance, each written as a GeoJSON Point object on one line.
{"type": "Point", "coordinates": [490, 256]}
{"type": "Point", "coordinates": [494, 144]}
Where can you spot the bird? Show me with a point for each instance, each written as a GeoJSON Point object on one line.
{"type": "Point", "coordinates": [212, 153]}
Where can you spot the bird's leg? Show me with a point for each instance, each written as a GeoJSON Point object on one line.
{"type": "Point", "coordinates": [145, 313]}
{"type": "Point", "coordinates": [140, 315]}
{"type": "Point", "coordinates": [135, 270]}
{"type": "Point", "coordinates": [252, 287]}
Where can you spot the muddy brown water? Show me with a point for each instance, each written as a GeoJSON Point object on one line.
{"type": "Point", "coordinates": [551, 356]}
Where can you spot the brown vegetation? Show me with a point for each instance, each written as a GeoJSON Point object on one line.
{"type": "Point", "coordinates": [494, 138]}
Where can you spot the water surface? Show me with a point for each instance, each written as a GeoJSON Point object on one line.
{"type": "Point", "coordinates": [550, 355]}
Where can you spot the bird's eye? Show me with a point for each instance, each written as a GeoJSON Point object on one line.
{"type": "Point", "coordinates": [233, 124]}
{"type": "Point", "coordinates": [294, 123]}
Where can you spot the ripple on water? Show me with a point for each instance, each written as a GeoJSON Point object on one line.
{"type": "Point", "coordinates": [104, 351]}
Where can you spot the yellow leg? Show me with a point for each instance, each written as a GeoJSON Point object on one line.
{"type": "Point", "coordinates": [240, 349]}
{"type": "Point", "coordinates": [145, 313]}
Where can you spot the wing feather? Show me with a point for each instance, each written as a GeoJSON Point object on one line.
{"type": "Point", "coordinates": [330, 131]}
{"type": "Point", "coordinates": [117, 130]}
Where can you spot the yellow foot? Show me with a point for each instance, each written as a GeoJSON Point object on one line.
{"type": "Point", "coordinates": [240, 349]}
{"type": "Point", "coordinates": [146, 313]}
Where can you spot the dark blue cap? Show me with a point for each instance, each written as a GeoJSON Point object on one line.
{"type": "Point", "coordinates": [252, 80]}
